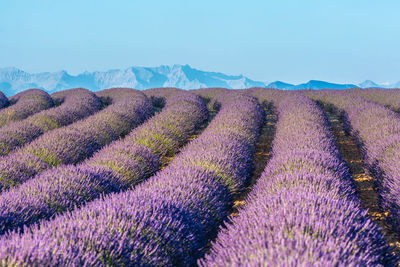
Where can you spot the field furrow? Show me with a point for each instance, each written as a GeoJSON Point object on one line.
{"type": "Point", "coordinates": [365, 182]}
{"type": "Point", "coordinates": [263, 153]}
{"type": "Point", "coordinates": [377, 132]}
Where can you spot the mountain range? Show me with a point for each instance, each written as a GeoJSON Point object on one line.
{"type": "Point", "coordinates": [14, 80]}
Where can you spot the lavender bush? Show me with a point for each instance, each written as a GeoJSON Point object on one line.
{"type": "Point", "coordinates": [303, 211]}
{"type": "Point", "coordinates": [389, 98]}
{"type": "Point", "coordinates": [158, 96]}
{"type": "Point", "coordinates": [213, 96]}
{"type": "Point", "coordinates": [167, 220]}
{"type": "Point", "coordinates": [25, 104]}
{"type": "Point", "coordinates": [76, 142]}
{"type": "Point", "coordinates": [119, 166]}
{"type": "Point", "coordinates": [377, 130]}
{"type": "Point", "coordinates": [75, 104]}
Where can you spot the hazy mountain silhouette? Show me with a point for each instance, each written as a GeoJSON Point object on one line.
{"type": "Point", "coordinates": [13, 80]}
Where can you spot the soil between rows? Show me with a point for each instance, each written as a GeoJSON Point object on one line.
{"type": "Point", "coordinates": [262, 155]}
{"type": "Point", "coordinates": [364, 181]}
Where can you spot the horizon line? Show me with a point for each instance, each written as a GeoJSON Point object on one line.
{"type": "Point", "coordinates": [385, 83]}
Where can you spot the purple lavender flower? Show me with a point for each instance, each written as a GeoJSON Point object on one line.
{"type": "Point", "coordinates": [377, 130]}
{"type": "Point", "coordinates": [25, 104]}
{"type": "Point", "coordinates": [75, 142]}
{"type": "Point", "coordinates": [75, 104]}
{"type": "Point", "coordinates": [303, 211]}
{"type": "Point", "coordinates": [167, 220]}
{"type": "Point", "coordinates": [117, 167]}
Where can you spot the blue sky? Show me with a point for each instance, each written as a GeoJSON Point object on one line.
{"type": "Point", "coordinates": [288, 40]}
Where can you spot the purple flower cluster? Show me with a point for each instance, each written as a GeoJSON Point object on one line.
{"type": "Point", "coordinates": [76, 142]}
{"type": "Point", "coordinates": [119, 166]}
{"type": "Point", "coordinates": [389, 98]}
{"type": "Point", "coordinates": [167, 220]}
{"type": "Point", "coordinates": [268, 95]}
{"type": "Point", "coordinates": [25, 104]}
{"type": "Point", "coordinates": [303, 211]}
{"type": "Point", "coordinates": [213, 96]}
{"type": "Point", "coordinates": [117, 94]}
{"type": "Point", "coordinates": [377, 129]}
{"type": "Point", "coordinates": [159, 95]}
{"type": "Point", "coordinates": [76, 104]}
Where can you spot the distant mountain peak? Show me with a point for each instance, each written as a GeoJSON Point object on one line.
{"type": "Point", "coordinates": [280, 85]}
{"type": "Point", "coordinates": [316, 84]}
{"type": "Point", "coordinates": [14, 80]}
{"type": "Point", "coordinates": [368, 84]}
{"type": "Point", "coordinates": [9, 69]}
{"type": "Point", "coordinates": [311, 84]}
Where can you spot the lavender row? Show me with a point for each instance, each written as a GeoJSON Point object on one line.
{"type": "Point", "coordinates": [76, 142]}
{"type": "Point", "coordinates": [303, 211]}
{"type": "Point", "coordinates": [377, 129]}
{"type": "Point", "coordinates": [119, 166]}
{"type": "Point", "coordinates": [389, 98]}
{"type": "Point", "coordinates": [167, 220]}
{"type": "Point", "coordinates": [158, 96]}
{"type": "Point", "coordinates": [75, 104]}
{"type": "Point", "coordinates": [24, 105]}
{"type": "Point", "coordinates": [213, 96]}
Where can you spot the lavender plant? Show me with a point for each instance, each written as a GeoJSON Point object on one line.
{"type": "Point", "coordinates": [377, 130]}
{"type": "Point", "coordinates": [119, 166]}
{"type": "Point", "coordinates": [158, 96]}
{"type": "Point", "coordinates": [303, 211]}
{"type": "Point", "coordinates": [76, 142]}
{"type": "Point", "coordinates": [75, 104]}
{"type": "Point", "coordinates": [167, 220]}
{"type": "Point", "coordinates": [25, 104]}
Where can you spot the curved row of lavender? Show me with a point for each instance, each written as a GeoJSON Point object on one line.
{"type": "Point", "coordinates": [213, 96]}
{"type": "Point", "coordinates": [159, 95]}
{"type": "Point", "coordinates": [24, 105]}
{"type": "Point", "coordinates": [269, 95]}
{"type": "Point", "coordinates": [303, 211]}
{"type": "Point", "coordinates": [119, 166]}
{"type": "Point", "coordinates": [76, 104]}
{"type": "Point", "coordinates": [76, 142]}
{"type": "Point", "coordinates": [389, 98]}
{"type": "Point", "coordinates": [167, 220]}
{"type": "Point", "coordinates": [3, 100]}
{"type": "Point", "coordinates": [377, 129]}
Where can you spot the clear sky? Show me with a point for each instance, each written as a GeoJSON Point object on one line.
{"type": "Point", "coordinates": [288, 40]}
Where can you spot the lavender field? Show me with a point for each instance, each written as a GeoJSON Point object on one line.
{"type": "Point", "coordinates": [206, 177]}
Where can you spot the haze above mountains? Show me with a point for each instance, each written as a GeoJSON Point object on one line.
{"type": "Point", "coordinates": [13, 80]}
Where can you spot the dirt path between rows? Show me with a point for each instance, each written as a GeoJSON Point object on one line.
{"type": "Point", "coordinates": [366, 188]}
{"type": "Point", "coordinates": [261, 157]}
